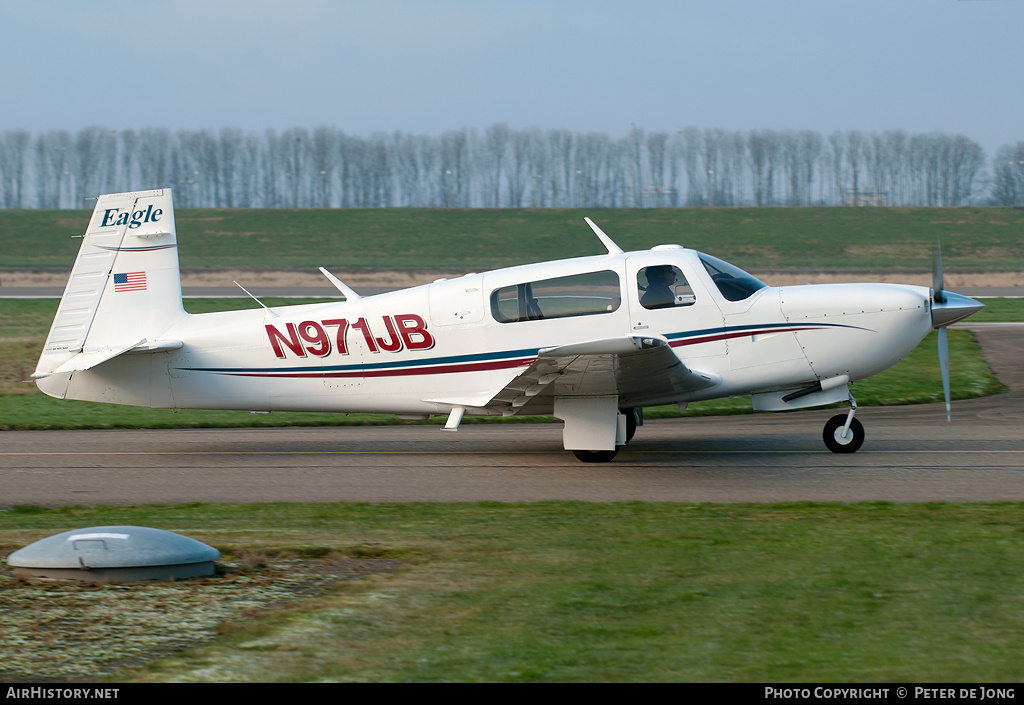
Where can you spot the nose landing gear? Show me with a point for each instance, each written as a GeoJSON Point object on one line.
{"type": "Point", "coordinates": [843, 433]}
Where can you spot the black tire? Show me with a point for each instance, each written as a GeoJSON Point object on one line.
{"type": "Point", "coordinates": [840, 445]}
{"type": "Point", "coordinates": [632, 421]}
{"type": "Point", "coordinates": [595, 456]}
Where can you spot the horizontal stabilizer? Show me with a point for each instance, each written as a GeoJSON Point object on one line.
{"type": "Point", "coordinates": [86, 360]}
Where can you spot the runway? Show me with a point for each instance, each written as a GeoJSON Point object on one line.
{"type": "Point", "coordinates": [911, 455]}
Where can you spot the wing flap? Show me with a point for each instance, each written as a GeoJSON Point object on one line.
{"type": "Point", "coordinates": [640, 371]}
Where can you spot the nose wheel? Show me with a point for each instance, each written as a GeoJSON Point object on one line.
{"type": "Point", "coordinates": [843, 433]}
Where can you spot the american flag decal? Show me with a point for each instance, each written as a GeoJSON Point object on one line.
{"type": "Point", "coordinates": [130, 281]}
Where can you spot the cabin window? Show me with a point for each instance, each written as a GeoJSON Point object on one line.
{"type": "Point", "coordinates": [733, 282]}
{"type": "Point", "coordinates": [560, 297]}
{"type": "Point", "coordinates": [663, 286]}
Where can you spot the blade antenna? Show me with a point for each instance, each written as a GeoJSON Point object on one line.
{"type": "Point", "coordinates": [340, 286]}
{"type": "Point", "coordinates": [613, 249]}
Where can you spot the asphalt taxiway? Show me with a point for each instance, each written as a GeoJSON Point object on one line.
{"type": "Point", "coordinates": [911, 455]}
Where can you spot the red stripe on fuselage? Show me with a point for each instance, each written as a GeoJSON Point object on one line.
{"type": "Point", "coordinates": [400, 372]}
{"type": "Point", "coordinates": [737, 334]}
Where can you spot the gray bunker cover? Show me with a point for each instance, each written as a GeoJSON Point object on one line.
{"type": "Point", "coordinates": [115, 553]}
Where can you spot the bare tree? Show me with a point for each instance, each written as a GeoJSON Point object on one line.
{"type": "Point", "coordinates": [764, 150]}
{"type": "Point", "coordinates": [695, 176]}
{"type": "Point", "coordinates": [14, 156]}
{"type": "Point", "coordinates": [657, 176]}
{"type": "Point", "coordinates": [591, 165]}
{"type": "Point", "coordinates": [562, 161]}
{"type": "Point", "coordinates": [521, 163]}
{"type": "Point", "coordinates": [1008, 175]}
{"type": "Point", "coordinates": [53, 167]}
{"type": "Point", "coordinates": [493, 158]}
{"type": "Point", "coordinates": [502, 167]}
{"type": "Point", "coordinates": [965, 160]}
{"type": "Point", "coordinates": [95, 159]}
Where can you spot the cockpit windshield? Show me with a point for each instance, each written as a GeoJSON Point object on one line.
{"type": "Point", "coordinates": [733, 282]}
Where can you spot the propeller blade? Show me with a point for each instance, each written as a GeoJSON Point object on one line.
{"type": "Point", "coordinates": [944, 366]}
{"type": "Point", "coordinates": [947, 308]}
{"type": "Point", "coordinates": [938, 295]}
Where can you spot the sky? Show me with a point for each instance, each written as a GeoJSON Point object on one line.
{"type": "Point", "coordinates": [429, 66]}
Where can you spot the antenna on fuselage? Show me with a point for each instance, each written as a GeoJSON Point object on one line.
{"type": "Point", "coordinates": [340, 286]}
{"type": "Point", "coordinates": [269, 310]}
{"type": "Point", "coordinates": [613, 249]}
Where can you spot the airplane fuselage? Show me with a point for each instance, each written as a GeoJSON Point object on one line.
{"type": "Point", "coordinates": [428, 349]}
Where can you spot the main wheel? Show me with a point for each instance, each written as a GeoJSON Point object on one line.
{"type": "Point", "coordinates": [595, 456]}
{"type": "Point", "coordinates": [633, 419]}
{"type": "Point", "coordinates": [837, 443]}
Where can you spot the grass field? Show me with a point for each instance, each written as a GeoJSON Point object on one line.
{"type": "Point", "coordinates": [479, 239]}
{"type": "Point", "coordinates": [572, 591]}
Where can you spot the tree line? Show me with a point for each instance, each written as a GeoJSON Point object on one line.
{"type": "Point", "coordinates": [502, 167]}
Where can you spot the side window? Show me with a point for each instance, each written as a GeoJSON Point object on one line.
{"type": "Point", "coordinates": [663, 286]}
{"type": "Point", "coordinates": [560, 297]}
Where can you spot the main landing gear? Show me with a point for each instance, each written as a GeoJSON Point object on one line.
{"type": "Point", "coordinates": [843, 433]}
{"type": "Point", "coordinates": [634, 418]}
{"type": "Point", "coordinates": [595, 456]}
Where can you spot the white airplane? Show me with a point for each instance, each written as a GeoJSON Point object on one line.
{"type": "Point", "coordinates": [591, 340]}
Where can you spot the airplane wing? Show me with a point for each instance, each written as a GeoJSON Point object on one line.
{"type": "Point", "coordinates": [641, 371]}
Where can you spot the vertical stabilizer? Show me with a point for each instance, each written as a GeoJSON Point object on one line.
{"type": "Point", "coordinates": [125, 286]}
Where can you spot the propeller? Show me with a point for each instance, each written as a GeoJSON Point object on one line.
{"type": "Point", "coordinates": [947, 308]}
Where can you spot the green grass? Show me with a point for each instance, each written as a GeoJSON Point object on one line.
{"type": "Point", "coordinates": [999, 311]}
{"type": "Point", "coordinates": [574, 591]}
{"type": "Point", "coordinates": [479, 239]}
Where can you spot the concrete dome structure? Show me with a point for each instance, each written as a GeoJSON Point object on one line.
{"type": "Point", "coordinates": [114, 554]}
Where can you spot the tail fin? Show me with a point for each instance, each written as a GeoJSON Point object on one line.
{"type": "Point", "coordinates": [124, 290]}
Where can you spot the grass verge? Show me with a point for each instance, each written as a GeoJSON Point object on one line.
{"type": "Point", "coordinates": [572, 591]}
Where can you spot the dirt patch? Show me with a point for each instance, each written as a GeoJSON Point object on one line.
{"type": "Point", "coordinates": [109, 627]}
{"type": "Point", "coordinates": [404, 278]}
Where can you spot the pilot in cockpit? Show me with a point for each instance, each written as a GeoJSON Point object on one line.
{"type": "Point", "coordinates": [659, 287]}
